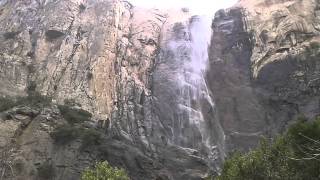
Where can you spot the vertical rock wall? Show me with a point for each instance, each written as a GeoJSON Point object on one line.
{"type": "Point", "coordinates": [264, 67]}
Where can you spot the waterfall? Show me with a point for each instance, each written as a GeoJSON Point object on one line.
{"type": "Point", "coordinates": [184, 96]}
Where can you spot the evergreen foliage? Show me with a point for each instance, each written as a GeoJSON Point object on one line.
{"type": "Point", "coordinates": [294, 155]}
{"type": "Point", "coordinates": [103, 171]}
{"type": "Point", "coordinates": [73, 115]}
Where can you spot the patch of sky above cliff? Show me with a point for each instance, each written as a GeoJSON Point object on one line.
{"type": "Point", "coordinates": [198, 7]}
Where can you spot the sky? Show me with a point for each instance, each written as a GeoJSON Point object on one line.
{"type": "Point", "coordinates": [199, 7]}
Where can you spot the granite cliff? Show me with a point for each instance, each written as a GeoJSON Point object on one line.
{"type": "Point", "coordinates": [170, 94]}
{"type": "Point", "coordinates": [263, 67]}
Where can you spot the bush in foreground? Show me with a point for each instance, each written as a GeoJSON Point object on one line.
{"type": "Point", "coordinates": [103, 171]}
{"type": "Point", "coordinates": [294, 155]}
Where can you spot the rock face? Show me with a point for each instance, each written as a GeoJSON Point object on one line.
{"type": "Point", "coordinates": [172, 94]}
{"type": "Point", "coordinates": [29, 151]}
{"type": "Point", "coordinates": [264, 67]}
{"type": "Point", "coordinates": [101, 55]}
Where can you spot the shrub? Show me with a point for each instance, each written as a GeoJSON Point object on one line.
{"type": "Point", "coordinates": [34, 99]}
{"type": "Point", "coordinates": [82, 7]}
{"type": "Point", "coordinates": [10, 35]}
{"type": "Point", "coordinates": [32, 86]}
{"type": "Point", "coordinates": [185, 10]}
{"type": "Point", "coordinates": [74, 115]}
{"type": "Point", "coordinates": [46, 171]}
{"type": "Point", "coordinates": [89, 75]}
{"type": "Point", "coordinates": [31, 68]}
{"type": "Point", "coordinates": [69, 102]}
{"type": "Point", "coordinates": [294, 155]}
{"type": "Point", "coordinates": [177, 28]}
{"type": "Point", "coordinates": [313, 49]}
{"type": "Point", "coordinates": [6, 103]}
{"type": "Point", "coordinates": [89, 138]}
{"type": "Point", "coordinates": [103, 171]}
{"type": "Point", "coordinates": [53, 34]}
{"type": "Point", "coordinates": [315, 45]}
{"type": "Point", "coordinates": [64, 134]}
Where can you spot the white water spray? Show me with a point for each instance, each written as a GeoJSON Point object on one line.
{"type": "Point", "coordinates": [189, 44]}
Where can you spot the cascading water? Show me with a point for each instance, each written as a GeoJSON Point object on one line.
{"type": "Point", "coordinates": [185, 104]}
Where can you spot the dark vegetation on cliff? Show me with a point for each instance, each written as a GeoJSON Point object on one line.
{"type": "Point", "coordinates": [294, 155]}
{"type": "Point", "coordinates": [73, 115]}
{"type": "Point", "coordinates": [65, 134]}
{"type": "Point", "coordinates": [34, 99]}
